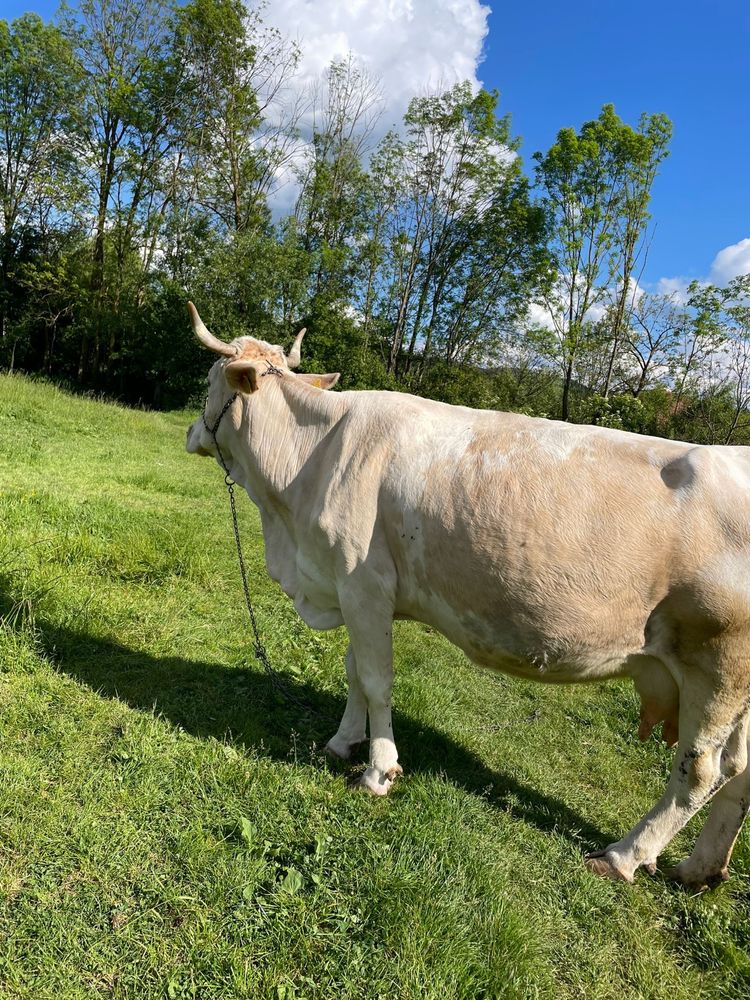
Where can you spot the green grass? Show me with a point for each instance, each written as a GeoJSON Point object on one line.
{"type": "Point", "coordinates": [169, 827]}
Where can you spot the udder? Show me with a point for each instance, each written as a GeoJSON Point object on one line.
{"type": "Point", "coordinates": [660, 699]}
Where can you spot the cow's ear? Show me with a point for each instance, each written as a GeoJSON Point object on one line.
{"type": "Point", "coordinates": [242, 375]}
{"type": "Point", "coordinates": [321, 381]}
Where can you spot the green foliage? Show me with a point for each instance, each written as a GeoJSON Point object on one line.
{"type": "Point", "coordinates": [623, 412]}
{"type": "Point", "coordinates": [464, 386]}
{"type": "Point", "coordinates": [39, 85]}
{"type": "Point", "coordinates": [221, 114]}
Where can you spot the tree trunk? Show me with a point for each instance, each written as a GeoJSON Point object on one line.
{"type": "Point", "coordinates": [417, 323]}
{"type": "Point", "coordinates": [565, 411]}
{"type": "Point", "coordinates": [398, 333]}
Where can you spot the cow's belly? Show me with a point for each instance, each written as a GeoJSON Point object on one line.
{"type": "Point", "coordinates": [519, 645]}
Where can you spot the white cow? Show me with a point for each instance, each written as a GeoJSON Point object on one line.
{"type": "Point", "coordinates": [542, 549]}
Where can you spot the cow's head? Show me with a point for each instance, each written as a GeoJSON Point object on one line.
{"type": "Point", "coordinates": [241, 368]}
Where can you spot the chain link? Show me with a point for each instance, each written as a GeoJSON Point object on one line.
{"type": "Point", "coordinates": [259, 649]}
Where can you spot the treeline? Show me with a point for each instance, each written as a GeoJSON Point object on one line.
{"type": "Point", "coordinates": [146, 148]}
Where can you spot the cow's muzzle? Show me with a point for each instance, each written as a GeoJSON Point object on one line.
{"type": "Point", "coordinates": [193, 443]}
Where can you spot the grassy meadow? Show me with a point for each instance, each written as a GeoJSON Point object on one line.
{"type": "Point", "coordinates": [169, 826]}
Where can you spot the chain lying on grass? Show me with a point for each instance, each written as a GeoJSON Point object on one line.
{"type": "Point", "coordinates": [258, 648]}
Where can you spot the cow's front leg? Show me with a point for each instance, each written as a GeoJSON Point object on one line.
{"type": "Point", "coordinates": [351, 731]}
{"type": "Point", "coordinates": [372, 646]}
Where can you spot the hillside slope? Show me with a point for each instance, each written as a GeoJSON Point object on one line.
{"type": "Point", "coordinates": [169, 827]}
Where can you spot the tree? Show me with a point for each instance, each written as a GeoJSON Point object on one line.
{"type": "Point", "coordinates": [332, 208]}
{"type": "Point", "coordinates": [640, 153]}
{"type": "Point", "coordinates": [235, 70]}
{"type": "Point", "coordinates": [39, 84]}
{"type": "Point", "coordinates": [459, 243]}
{"type": "Point", "coordinates": [716, 358]}
{"type": "Point", "coordinates": [656, 325]}
{"type": "Point", "coordinates": [486, 286]}
{"type": "Point", "coordinates": [121, 136]}
{"type": "Point", "coordinates": [596, 185]}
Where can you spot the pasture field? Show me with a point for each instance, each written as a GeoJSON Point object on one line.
{"type": "Point", "coordinates": [170, 828]}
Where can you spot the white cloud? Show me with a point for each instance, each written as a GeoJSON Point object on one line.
{"type": "Point", "coordinates": [411, 45]}
{"type": "Point", "coordinates": [637, 291]}
{"type": "Point", "coordinates": [727, 264]}
{"type": "Point", "coordinates": [730, 262]}
{"type": "Point", "coordinates": [540, 315]}
{"type": "Point", "coordinates": [677, 288]}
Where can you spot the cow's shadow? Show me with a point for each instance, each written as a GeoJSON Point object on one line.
{"type": "Point", "coordinates": [245, 707]}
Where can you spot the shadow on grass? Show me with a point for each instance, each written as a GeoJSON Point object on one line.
{"type": "Point", "coordinates": [244, 707]}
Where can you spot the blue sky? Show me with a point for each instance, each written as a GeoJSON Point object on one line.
{"type": "Point", "coordinates": [555, 65]}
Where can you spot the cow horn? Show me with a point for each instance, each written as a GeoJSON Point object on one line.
{"type": "Point", "coordinates": [293, 357]}
{"type": "Point", "coordinates": [206, 337]}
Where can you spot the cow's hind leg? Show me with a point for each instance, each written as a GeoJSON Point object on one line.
{"type": "Point", "coordinates": [711, 706]}
{"type": "Point", "coordinates": [707, 865]}
{"type": "Point", "coordinates": [351, 731]}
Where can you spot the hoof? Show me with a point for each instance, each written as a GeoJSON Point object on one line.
{"type": "Point", "coordinates": [375, 783]}
{"type": "Point", "coordinates": [341, 750]}
{"type": "Point", "coordinates": [601, 863]}
{"type": "Point", "coordinates": [695, 881]}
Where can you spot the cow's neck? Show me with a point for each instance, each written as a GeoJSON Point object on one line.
{"type": "Point", "coordinates": [284, 429]}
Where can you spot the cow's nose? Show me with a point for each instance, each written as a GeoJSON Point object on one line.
{"type": "Point", "coordinates": [193, 442]}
